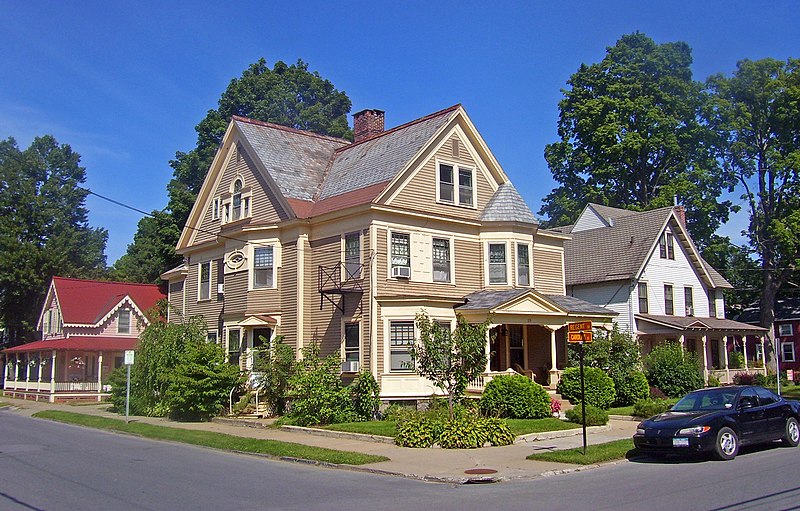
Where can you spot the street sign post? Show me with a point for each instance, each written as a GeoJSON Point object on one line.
{"type": "Point", "coordinates": [129, 355]}
{"type": "Point", "coordinates": [580, 332]}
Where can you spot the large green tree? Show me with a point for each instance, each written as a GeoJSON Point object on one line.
{"type": "Point", "coordinates": [756, 112]}
{"type": "Point", "coordinates": [44, 229]}
{"type": "Point", "coordinates": [632, 137]}
{"type": "Point", "coordinates": [289, 95]}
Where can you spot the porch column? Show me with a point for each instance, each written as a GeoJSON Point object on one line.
{"type": "Point", "coordinates": [744, 350]}
{"type": "Point", "coordinates": [16, 367]}
{"type": "Point", "coordinates": [99, 375]}
{"type": "Point", "coordinates": [725, 358]}
{"type": "Point", "coordinates": [553, 358]}
{"type": "Point", "coordinates": [705, 358]}
{"type": "Point", "coordinates": [39, 383]}
{"type": "Point", "coordinates": [764, 353]}
{"type": "Point", "coordinates": [489, 349]}
{"type": "Point", "coordinates": [53, 377]}
{"type": "Point", "coordinates": [27, 370]}
{"type": "Point", "coordinates": [682, 341]}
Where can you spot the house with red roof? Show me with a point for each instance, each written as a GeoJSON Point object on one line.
{"type": "Point", "coordinates": [86, 326]}
{"type": "Point", "coordinates": [326, 241]}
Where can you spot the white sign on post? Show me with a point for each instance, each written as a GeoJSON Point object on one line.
{"type": "Point", "coordinates": [129, 357]}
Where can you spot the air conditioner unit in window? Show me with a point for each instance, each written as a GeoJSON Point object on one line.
{"type": "Point", "coordinates": [401, 272]}
{"type": "Point", "coordinates": [350, 366]}
{"type": "Point", "coordinates": [220, 289]}
{"type": "Point", "coordinates": [690, 311]}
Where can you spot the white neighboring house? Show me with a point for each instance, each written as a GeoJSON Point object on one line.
{"type": "Point", "coordinates": [645, 266]}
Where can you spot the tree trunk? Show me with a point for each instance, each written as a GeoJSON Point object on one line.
{"type": "Point", "coordinates": [769, 290]}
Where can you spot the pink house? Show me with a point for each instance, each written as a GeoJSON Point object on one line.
{"type": "Point", "coordinates": [86, 326]}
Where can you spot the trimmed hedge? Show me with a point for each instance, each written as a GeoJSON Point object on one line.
{"type": "Point", "coordinates": [630, 388]}
{"type": "Point", "coordinates": [594, 416]}
{"type": "Point", "coordinates": [515, 397]}
{"type": "Point", "coordinates": [648, 407]}
{"type": "Point", "coordinates": [599, 386]}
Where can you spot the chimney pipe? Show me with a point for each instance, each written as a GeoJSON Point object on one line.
{"type": "Point", "coordinates": [367, 123]}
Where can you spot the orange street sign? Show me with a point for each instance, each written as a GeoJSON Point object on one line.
{"type": "Point", "coordinates": [581, 326]}
{"type": "Point", "coordinates": [580, 337]}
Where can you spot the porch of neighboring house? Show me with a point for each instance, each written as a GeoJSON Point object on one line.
{"type": "Point", "coordinates": [711, 339]}
{"type": "Point", "coordinates": [65, 371]}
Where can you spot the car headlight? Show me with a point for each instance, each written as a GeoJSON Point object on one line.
{"type": "Point", "coordinates": [640, 431]}
{"type": "Point", "coordinates": [697, 430]}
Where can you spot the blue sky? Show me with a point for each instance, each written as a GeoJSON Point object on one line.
{"type": "Point", "coordinates": [124, 83]}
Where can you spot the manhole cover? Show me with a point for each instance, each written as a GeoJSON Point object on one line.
{"type": "Point", "coordinates": [480, 471]}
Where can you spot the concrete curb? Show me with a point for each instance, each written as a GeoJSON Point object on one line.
{"type": "Point", "coordinates": [330, 433]}
{"type": "Point", "coordinates": [625, 418]}
{"type": "Point", "coordinates": [550, 435]}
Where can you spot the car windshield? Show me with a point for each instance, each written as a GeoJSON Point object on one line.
{"type": "Point", "coordinates": [707, 400]}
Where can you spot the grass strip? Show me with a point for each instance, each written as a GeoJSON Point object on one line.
{"type": "Point", "coordinates": [382, 428]}
{"type": "Point", "coordinates": [215, 440]}
{"type": "Point", "coordinates": [525, 426]}
{"type": "Point", "coordinates": [597, 453]}
{"type": "Point", "coordinates": [628, 410]}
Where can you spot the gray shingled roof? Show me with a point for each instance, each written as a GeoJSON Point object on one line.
{"type": "Point", "coordinates": [491, 299]}
{"type": "Point", "coordinates": [786, 309]}
{"type": "Point", "coordinates": [380, 159]}
{"type": "Point", "coordinates": [296, 161]}
{"type": "Point", "coordinates": [692, 323]}
{"type": "Point", "coordinates": [608, 212]}
{"type": "Point", "coordinates": [507, 205]}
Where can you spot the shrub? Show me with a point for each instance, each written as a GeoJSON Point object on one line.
{"type": "Point", "coordinates": [673, 370]}
{"type": "Point", "coordinates": [617, 352]}
{"type": "Point", "coordinates": [497, 431]}
{"type": "Point", "coordinates": [760, 379]}
{"type": "Point", "coordinates": [417, 431]}
{"type": "Point", "coordinates": [649, 407]}
{"type": "Point", "coordinates": [274, 365]}
{"type": "Point", "coordinates": [465, 432]}
{"type": "Point", "coordinates": [631, 387]}
{"type": "Point", "coordinates": [318, 396]}
{"type": "Point", "coordinates": [398, 413]}
{"type": "Point", "coordinates": [594, 416]}
{"type": "Point", "coordinates": [713, 381]}
{"type": "Point", "coordinates": [744, 378]}
{"type": "Point", "coordinates": [657, 393]}
{"type": "Point", "coordinates": [365, 395]}
{"type": "Point", "coordinates": [735, 360]}
{"type": "Point", "coordinates": [598, 385]}
{"type": "Point", "coordinates": [772, 380]}
{"type": "Point", "coordinates": [516, 397]}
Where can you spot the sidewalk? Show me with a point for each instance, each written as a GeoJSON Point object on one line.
{"type": "Point", "coordinates": [442, 465]}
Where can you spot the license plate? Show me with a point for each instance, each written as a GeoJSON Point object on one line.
{"type": "Point", "coordinates": [680, 442]}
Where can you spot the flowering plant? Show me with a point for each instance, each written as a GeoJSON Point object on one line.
{"type": "Point", "coordinates": [555, 406]}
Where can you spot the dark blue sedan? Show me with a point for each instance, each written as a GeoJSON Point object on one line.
{"type": "Point", "coordinates": [719, 420]}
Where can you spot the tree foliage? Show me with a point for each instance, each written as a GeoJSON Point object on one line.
{"type": "Point", "coordinates": [44, 228]}
{"type": "Point", "coordinates": [632, 137]}
{"type": "Point", "coordinates": [289, 95]}
{"type": "Point", "coordinates": [274, 364]}
{"type": "Point", "coordinates": [450, 359]}
{"type": "Point", "coordinates": [673, 370]}
{"type": "Point", "coordinates": [317, 393]}
{"type": "Point", "coordinates": [756, 114]}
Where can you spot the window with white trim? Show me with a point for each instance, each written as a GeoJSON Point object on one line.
{"type": "Point", "coordinates": [352, 255]}
{"type": "Point", "coordinates": [401, 338]}
{"type": "Point", "coordinates": [215, 209]}
{"type": "Point", "coordinates": [234, 345]}
{"type": "Point", "coordinates": [497, 263]}
{"type": "Point", "coordinates": [669, 300]}
{"type": "Point", "coordinates": [401, 251]}
{"type": "Point", "coordinates": [456, 185]}
{"type": "Point", "coordinates": [712, 304]}
{"type": "Point", "coordinates": [787, 352]}
{"type": "Point", "coordinates": [237, 200]}
{"type": "Point", "coordinates": [46, 321]}
{"type": "Point", "coordinates": [523, 265]}
{"type": "Point", "coordinates": [211, 337]}
{"type": "Point", "coordinates": [263, 268]}
{"type": "Point", "coordinates": [666, 245]}
{"type": "Point", "coordinates": [351, 350]}
{"type": "Point", "coordinates": [124, 321]}
{"type": "Point", "coordinates": [785, 330]}
{"type": "Point", "coordinates": [643, 304]}
{"type": "Point", "coordinates": [440, 255]}
{"type": "Point", "coordinates": [204, 287]}
{"type": "Point", "coordinates": [688, 300]}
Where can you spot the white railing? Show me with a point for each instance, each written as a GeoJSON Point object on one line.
{"type": "Point", "coordinates": [77, 386]}
{"type": "Point", "coordinates": [27, 385]}
{"type": "Point", "coordinates": [479, 383]}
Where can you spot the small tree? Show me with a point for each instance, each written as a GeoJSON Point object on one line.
{"type": "Point", "coordinates": [450, 359]}
{"type": "Point", "coordinates": [673, 370]}
{"type": "Point", "coordinates": [274, 364]}
{"type": "Point", "coordinates": [318, 396]}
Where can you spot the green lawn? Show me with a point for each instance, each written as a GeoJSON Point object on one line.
{"type": "Point", "coordinates": [628, 410]}
{"type": "Point", "coordinates": [789, 391]}
{"type": "Point", "coordinates": [525, 426]}
{"type": "Point", "coordinates": [215, 440]}
{"type": "Point", "coordinates": [382, 428]}
{"type": "Point", "coordinates": [598, 453]}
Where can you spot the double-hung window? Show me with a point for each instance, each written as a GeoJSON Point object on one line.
{"type": "Point", "coordinates": [688, 301]}
{"type": "Point", "coordinates": [785, 330]}
{"type": "Point", "coordinates": [497, 263]}
{"type": "Point", "coordinates": [204, 289]}
{"type": "Point", "coordinates": [456, 185]}
{"type": "Point", "coordinates": [669, 308]}
{"type": "Point", "coordinates": [523, 265]}
{"type": "Point", "coordinates": [441, 259]}
{"type": "Point", "coordinates": [352, 255]}
{"type": "Point", "coordinates": [401, 254]}
{"type": "Point", "coordinates": [787, 352]}
{"type": "Point", "coordinates": [352, 345]}
{"type": "Point", "coordinates": [666, 246]}
{"type": "Point", "coordinates": [401, 338]}
{"type": "Point", "coordinates": [215, 205]}
{"type": "Point", "coordinates": [446, 189]}
{"type": "Point", "coordinates": [237, 200]}
{"type": "Point", "coordinates": [712, 304]}
{"type": "Point", "coordinates": [465, 187]}
{"type": "Point", "coordinates": [643, 305]}
{"type": "Point", "coordinates": [234, 345]}
{"type": "Point", "coordinates": [124, 321]}
{"type": "Point", "coordinates": [263, 268]}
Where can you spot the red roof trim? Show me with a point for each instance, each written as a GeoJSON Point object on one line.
{"type": "Point", "coordinates": [288, 129]}
{"type": "Point", "coordinates": [78, 343]}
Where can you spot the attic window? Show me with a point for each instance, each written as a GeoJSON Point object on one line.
{"type": "Point", "coordinates": [215, 209]}
{"type": "Point", "coordinates": [124, 321]}
{"type": "Point", "coordinates": [666, 245]}
{"type": "Point", "coordinates": [446, 185]}
{"type": "Point", "coordinates": [455, 148]}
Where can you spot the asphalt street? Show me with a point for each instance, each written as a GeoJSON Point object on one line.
{"type": "Point", "coordinates": [50, 466]}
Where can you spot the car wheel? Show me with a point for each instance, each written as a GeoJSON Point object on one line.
{"type": "Point", "coordinates": [727, 445]}
{"type": "Point", "coordinates": [791, 436]}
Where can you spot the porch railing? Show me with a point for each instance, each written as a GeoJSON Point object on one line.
{"type": "Point", "coordinates": [479, 383]}
{"type": "Point", "coordinates": [46, 386]}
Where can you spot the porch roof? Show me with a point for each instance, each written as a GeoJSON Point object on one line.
{"type": "Point", "coordinates": [78, 343]}
{"type": "Point", "coordinates": [491, 299]}
{"type": "Point", "coordinates": [694, 324]}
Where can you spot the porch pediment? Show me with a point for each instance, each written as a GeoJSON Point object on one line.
{"type": "Point", "coordinates": [258, 320]}
{"type": "Point", "coordinates": [510, 301]}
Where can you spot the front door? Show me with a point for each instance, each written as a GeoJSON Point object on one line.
{"type": "Point", "coordinates": [516, 347]}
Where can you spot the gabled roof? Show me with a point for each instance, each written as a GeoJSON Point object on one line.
{"type": "Point", "coordinates": [786, 309]}
{"type": "Point", "coordinates": [688, 323]}
{"type": "Point", "coordinates": [78, 343]}
{"type": "Point", "coordinates": [507, 205]}
{"type": "Point", "coordinates": [620, 250]}
{"type": "Point", "coordinates": [493, 299]}
{"type": "Point", "coordinates": [85, 302]}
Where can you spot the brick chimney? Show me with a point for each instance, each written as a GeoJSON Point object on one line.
{"type": "Point", "coordinates": [680, 212]}
{"type": "Point", "coordinates": [367, 123]}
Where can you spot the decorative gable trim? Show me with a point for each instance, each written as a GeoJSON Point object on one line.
{"type": "Point", "coordinates": [52, 293]}
{"type": "Point", "coordinates": [105, 317]}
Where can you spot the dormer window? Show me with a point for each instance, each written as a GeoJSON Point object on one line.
{"type": "Point", "coordinates": [235, 204]}
{"type": "Point", "coordinates": [451, 176]}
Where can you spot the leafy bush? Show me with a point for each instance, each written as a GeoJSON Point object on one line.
{"type": "Point", "coordinates": [365, 395]}
{"type": "Point", "coordinates": [594, 416]}
{"type": "Point", "coordinates": [760, 379]}
{"type": "Point", "coordinates": [673, 370]}
{"type": "Point", "coordinates": [616, 352]}
{"type": "Point", "coordinates": [275, 364]}
{"type": "Point", "coordinates": [515, 397]}
{"type": "Point", "coordinates": [657, 393]}
{"type": "Point", "coordinates": [649, 407]}
{"type": "Point", "coordinates": [398, 413]}
{"type": "Point", "coordinates": [744, 378]}
{"type": "Point", "coordinates": [318, 396]}
{"type": "Point", "coordinates": [417, 431]}
{"type": "Point", "coordinates": [772, 380]}
{"type": "Point", "coordinates": [598, 385]}
{"type": "Point", "coordinates": [631, 387]}
{"type": "Point", "coordinates": [713, 381]}
{"type": "Point", "coordinates": [497, 431]}
{"type": "Point", "coordinates": [735, 360]}
{"type": "Point", "coordinates": [464, 432]}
